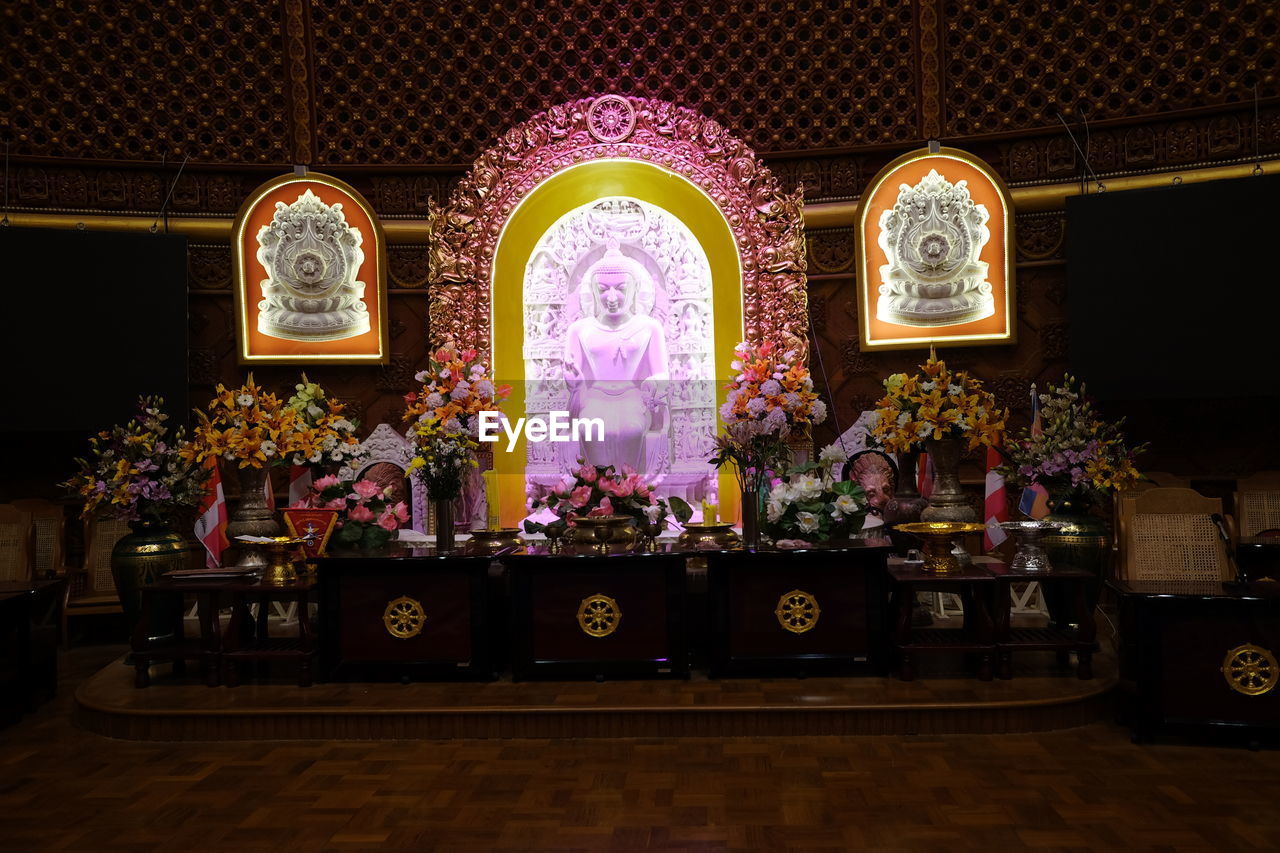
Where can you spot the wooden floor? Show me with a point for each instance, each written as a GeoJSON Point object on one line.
{"type": "Point", "coordinates": [1042, 696]}
{"type": "Point", "coordinates": [1088, 788]}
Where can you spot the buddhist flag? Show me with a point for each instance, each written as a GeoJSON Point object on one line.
{"type": "Point", "coordinates": [996, 503]}
{"type": "Point", "coordinates": [211, 521]}
{"type": "Point", "coordinates": [299, 484]}
{"type": "Point", "coordinates": [269, 493]}
{"type": "Point", "coordinates": [1034, 502]}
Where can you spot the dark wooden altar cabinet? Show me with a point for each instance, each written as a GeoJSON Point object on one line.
{"type": "Point", "coordinates": [411, 615]}
{"type": "Point", "coordinates": [592, 616]}
{"type": "Point", "coordinates": [1200, 655]}
{"type": "Point", "coordinates": [803, 612]}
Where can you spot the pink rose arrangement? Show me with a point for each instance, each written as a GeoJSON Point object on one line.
{"type": "Point", "coordinates": [367, 516]}
{"type": "Point", "coordinates": [595, 490]}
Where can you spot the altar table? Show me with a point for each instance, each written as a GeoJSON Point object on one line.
{"type": "Point", "coordinates": [1200, 654]}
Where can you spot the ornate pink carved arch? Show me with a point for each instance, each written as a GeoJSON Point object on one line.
{"type": "Point", "coordinates": [766, 221]}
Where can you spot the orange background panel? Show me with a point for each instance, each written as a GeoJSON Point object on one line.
{"type": "Point", "coordinates": [261, 215]}
{"type": "Point", "coordinates": [984, 192]}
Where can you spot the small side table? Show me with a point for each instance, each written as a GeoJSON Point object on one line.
{"type": "Point", "coordinates": [152, 645]}
{"type": "Point", "coordinates": [248, 641]}
{"type": "Point", "coordinates": [1075, 586]}
{"type": "Point", "coordinates": [974, 585]}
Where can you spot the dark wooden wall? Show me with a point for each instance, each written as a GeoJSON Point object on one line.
{"type": "Point", "coordinates": [102, 99]}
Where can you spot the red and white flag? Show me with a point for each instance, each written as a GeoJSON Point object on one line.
{"type": "Point", "coordinates": [924, 476]}
{"type": "Point", "coordinates": [269, 492]}
{"type": "Point", "coordinates": [211, 522]}
{"type": "Point", "coordinates": [995, 506]}
{"type": "Point", "coordinates": [299, 483]}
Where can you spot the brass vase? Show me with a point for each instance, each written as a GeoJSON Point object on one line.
{"type": "Point", "coordinates": [708, 537]}
{"type": "Point", "coordinates": [1080, 542]}
{"type": "Point", "coordinates": [252, 517]}
{"type": "Point", "coordinates": [142, 557]}
{"type": "Point", "coordinates": [947, 503]}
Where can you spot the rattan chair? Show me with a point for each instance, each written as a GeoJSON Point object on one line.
{"type": "Point", "coordinates": [1169, 535]}
{"type": "Point", "coordinates": [93, 589]}
{"type": "Point", "coordinates": [15, 545]}
{"type": "Point", "coordinates": [48, 535]}
{"type": "Point", "coordinates": [1258, 504]}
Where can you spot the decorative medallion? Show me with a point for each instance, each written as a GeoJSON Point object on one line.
{"type": "Point", "coordinates": [611, 118]}
{"type": "Point", "coordinates": [599, 615]}
{"type": "Point", "coordinates": [1250, 670]}
{"type": "Point", "coordinates": [797, 611]}
{"type": "Point", "coordinates": [404, 618]}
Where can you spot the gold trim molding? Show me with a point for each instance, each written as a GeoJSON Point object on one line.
{"type": "Point", "coordinates": [836, 214]}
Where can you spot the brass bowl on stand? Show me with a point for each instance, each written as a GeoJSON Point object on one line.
{"type": "Point", "coordinates": [490, 541]}
{"type": "Point", "coordinates": [708, 537]}
{"type": "Point", "coordinates": [604, 533]}
{"type": "Point", "coordinates": [282, 553]}
{"type": "Point", "coordinates": [937, 536]}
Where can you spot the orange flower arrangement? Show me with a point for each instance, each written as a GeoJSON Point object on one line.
{"type": "Point", "coordinates": [936, 403]}
{"type": "Point", "coordinates": [251, 426]}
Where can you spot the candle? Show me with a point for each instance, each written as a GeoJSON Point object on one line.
{"type": "Point", "coordinates": [710, 513]}
{"type": "Point", "coordinates": [493, 500]}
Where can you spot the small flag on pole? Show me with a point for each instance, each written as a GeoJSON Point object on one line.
{"type": "Point", "coordinates": [211, 520]}
{"type": "Point", "coordinates": [996, 504]}
{"type": "Point", "coordinates": [924, 476]}
{"type": "Point", "coordinates": [299, 483]}
{"type": "Point", "coordinates": [1034, 502]}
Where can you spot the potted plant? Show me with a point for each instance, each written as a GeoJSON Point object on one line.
{"type": "Point", "coordinates": [367, 517]}
{"type": "Point", "coordinates": [147, 475]}
{"type": "Point", "coordinates": [808, 505]}
{"type": "Point", "coordinates": [942, 412]}
{"type": "Point", "coordinates": [770, 400]}
{"type": "Point", "coordinates": [445, 417]}
{"type": "Point", "coordinates": [624, 502]}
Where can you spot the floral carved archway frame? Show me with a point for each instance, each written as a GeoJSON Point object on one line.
{"type": "Point", "coordinates": [766, 222]}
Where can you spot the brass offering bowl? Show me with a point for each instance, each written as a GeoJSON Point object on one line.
{"type": "Point", "coordinates": [604, 533]}
{"type": "Point", "coordinates": [491, 541]}
{"type": "Point", "coordinates": [283, 552]}
{"type": "Point", "coordinates": [937, 536]}
{"type": "Point", "coordinates": [708, 537]}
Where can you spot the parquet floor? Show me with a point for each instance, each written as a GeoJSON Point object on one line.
{"type": "Point", "coordinates": [1079, 789]}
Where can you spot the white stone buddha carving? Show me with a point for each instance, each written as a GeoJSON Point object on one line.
{"type": "Point", "coordinates": [932, 237]}
{"type": "Point", "coordinates": [616, 362]}
{"type": "Point", "coordinates": [312, 257]}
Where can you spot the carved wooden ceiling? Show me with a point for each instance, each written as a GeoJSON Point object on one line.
{"type": "Point", "coordinates": [398, 97]}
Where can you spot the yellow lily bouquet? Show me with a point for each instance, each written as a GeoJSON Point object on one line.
{"type": "Point", "coordinates": [936, 403]}
{"type": "Point", "coordinates": [252, 427]}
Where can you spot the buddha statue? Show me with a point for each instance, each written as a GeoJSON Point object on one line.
{"type": "Point", "coordinates": [615, 362]}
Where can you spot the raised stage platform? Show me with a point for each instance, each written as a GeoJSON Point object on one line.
{"type": "Point", "coordinates": [1041, 696]}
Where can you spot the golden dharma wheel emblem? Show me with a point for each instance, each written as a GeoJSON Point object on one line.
{"type": "Point", "coordinates": [1250, 670]}
{"type": "Point", "coordinates": [404, 617]}
{"type": "Point", "coordinates": [797, 611]}
{"type": "Point", "coordinates": [599, 615]}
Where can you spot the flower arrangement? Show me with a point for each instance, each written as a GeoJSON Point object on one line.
{"type": "Point", "coordinates": [809, 504]}
{"type": "Point", "coordinates": [445, 413]}
{"type": "Point", "coordinates": [367, 519]}
{"type": "Point", "coordinates": [250, 426]}
{"type": "Point", "coordinates": [1074, 450]}
{"type": "Point", "coordinates": [936, 403]}
{"type": "Point", "coordinates": [323, 435]}
{"type": "Point", "coordinates": [596, 490]}
{"type": "Point", "coordinates": [769, 400]}
{"type": "Point", "coordinates": [140, 470]}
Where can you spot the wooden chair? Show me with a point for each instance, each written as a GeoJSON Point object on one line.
{"type": "Point", "coordinates": [15, 545]}
{"type": "Point", "coordinates": [1258, 503]}
{"type": "Point", "coordinates": [1168, 535]}
{"type": "Point", "coordinates": [48, 536]}
{"type": "Point", "coordinates": [93, 589]}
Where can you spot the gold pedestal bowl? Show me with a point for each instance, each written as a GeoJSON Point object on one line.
{"type": "Point", "coordinates": [937, 536]}
{"type": "Point", "coordinates": [493, 541]}
{"type": "Point", "coordinates": [708, 537]}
